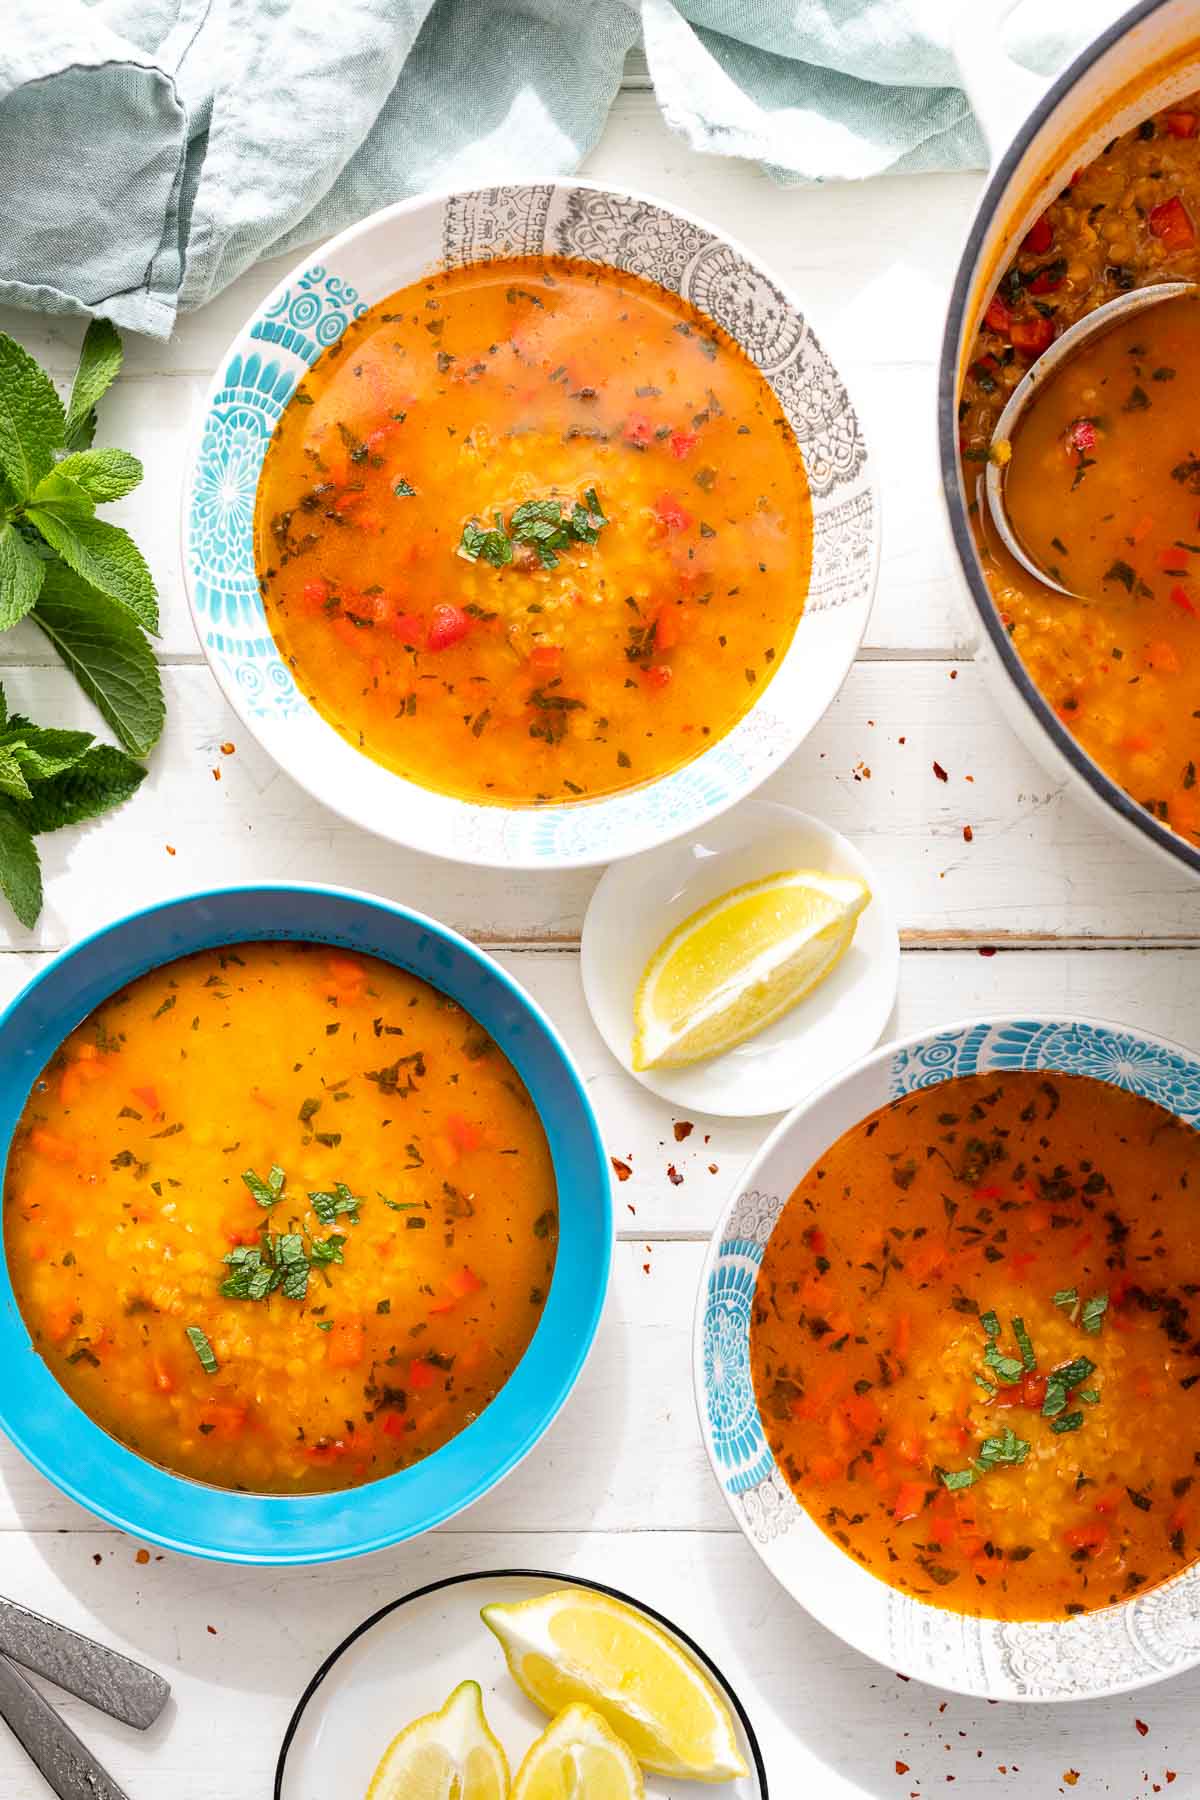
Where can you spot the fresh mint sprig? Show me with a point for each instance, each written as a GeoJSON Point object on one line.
{"type": "Point", "coordinates": [81, 580]}
{"type": "Point", "coordinates": [50, 778]}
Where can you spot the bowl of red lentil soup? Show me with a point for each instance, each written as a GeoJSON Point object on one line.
{"type": "Point", "coordinates": [530, 526]}
{"type": "Point", "coordinates": [947, 1357]}
{"type": "Point", "coordinates": [307, 1223]}
{"type": "Point", "coordinates": [1098, 193]}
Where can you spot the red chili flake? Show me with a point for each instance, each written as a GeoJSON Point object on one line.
{"type": "Point", "coordinates": [1070, 1776]}
{"type": "Point", "coordinates": [1170, 1774]}
{"type": "Point", "coordinates": [901, 1767]}
{"type": "Point", "coordinates": [1179, 597]}
{"type": "Point", "coordinates": [673, 1175]}
{"type": "Point", "coordinates": [902, 740]}
{"type": "Point", "coordinates": [1142, 1727]}
{"type": "Point", "coordinates": [142, 1556]}
{"type": "Point", "coordinates": [216, 774]}
{"type": "Point", "coordinates": [940, 772]}
{"type": "Point", "coordinates": [228, 749]}
{"type": "Point", "coordinates": [97, 1558]}
{"type": "Point", "coordinates": [645, 1268]}
{"type": "Point", "coordinates": [987, 950]}
{"type": "Point", "coordinates": [211, 1630]}
{"type": "Point", "coordinates": [170, 849]}
{"type": "Point", "coordinates": [622, 1168]}
{"type": "Point", "coordinates": [954, 674]}
{"type": "Point", "coordinates": [1039, 237]}
{"type": "Point", "coordinates": [968, 834]}
{"type": "Point", "coordinates": [683, 1129]}
{"type": "Point", "coordinates": [712, 1168]}
{"type": "Point", "coordinates": [632, 1208]}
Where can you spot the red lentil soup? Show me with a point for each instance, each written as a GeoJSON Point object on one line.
{"type": "Point", "coordinates": [976, 1345]}
{"type": "Point", "coordinates": [533, 531]}
{"type": "Point", "coordinates": [1116, 459]}
{"type": "Point", "coordinates": [280, 1218]}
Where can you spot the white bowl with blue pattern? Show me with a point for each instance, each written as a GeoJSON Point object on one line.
{"type": "Point", "coordinates": [311, 308]}
{"type": "Point", "coordinates": [1153, 1635]}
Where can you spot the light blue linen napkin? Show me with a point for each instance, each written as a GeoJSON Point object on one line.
{"type": "Point", "coordinates": [150, 150]}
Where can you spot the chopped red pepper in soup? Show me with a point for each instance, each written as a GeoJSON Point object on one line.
{"type": "Point", "coordinates": [975, 1344]}
{"type": "Point", "coordinates": [280, 1218]}
{"type": "Point", "coordinates": [533, 531]}
{"type": "Point", "coordinates": [1108, 494]}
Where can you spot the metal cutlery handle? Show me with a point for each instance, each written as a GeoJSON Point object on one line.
{"type": "Point", "coordinates": [67, 1764]}
{"type": "Point", "coordinates": [113, 1683]}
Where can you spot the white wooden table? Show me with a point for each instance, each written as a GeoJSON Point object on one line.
{"type": "Point", "coordinates": [620, 1487]}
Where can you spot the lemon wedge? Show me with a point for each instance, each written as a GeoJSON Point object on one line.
{"type": "Point", "coordinates": [446, 1755]}
{"type": "Point", "coordinates": [576, 1646]}
{"type": "Point", "coordinates": [579, 1757]}
{"type": "Point", "coordinates": [740, 962]}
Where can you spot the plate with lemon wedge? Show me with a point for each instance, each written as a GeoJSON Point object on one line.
{"type": "Point", "coordinates": [518, 1684]}
{"type": "Point", "coordinates": [734, 973]}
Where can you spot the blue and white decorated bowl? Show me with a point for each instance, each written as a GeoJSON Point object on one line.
{"type": "Point", "coordinates": [311, 308]}
{"type": "Point", "coordinates": [1148, 1637]}
{"type": "Point", "coordinates": [109, 1478]}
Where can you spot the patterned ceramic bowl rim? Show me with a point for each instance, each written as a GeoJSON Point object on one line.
{"type": "Point", "coordinates": [1152, 1635]}
{"type": "Point", "coordinates": [308, 311]}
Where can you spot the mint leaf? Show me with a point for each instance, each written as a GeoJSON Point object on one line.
{"type": "Point", "coordinates": [21, 571]}
{"type": "Point", "coordinates": [107, 654]}
{"type": "Point", "coordinates": [99, 361]}
{"type": "Point", "coordinates": [103, 554]}
{"type": "Point", "coordinates": [103, 777]}
{"type": "Point", "coordinates": [66, 496]}
{"type": "Point", "coordinates": [102, 474]}
{"type": "Point", "coordinates": [12, 776]}
{"type": "Point", "coordinates": [20, 870]}
{"type": "Point", "coordinates": [41, 751]}
{"type": "Point", "coordinates": [31, 418]}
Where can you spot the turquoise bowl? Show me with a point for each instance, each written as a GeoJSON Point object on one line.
{"type": "Point", "coordinates": [180, 1514]}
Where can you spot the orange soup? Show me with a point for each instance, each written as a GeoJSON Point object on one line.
{"type": "Point", "coordinates": [976, 1344]}
{"type": "Point", "coordinates": [533, 531]}
{"type": "Point", "coordinates": [1118, 488]}
{"type": "Point", "coordinates": [281, 1218]}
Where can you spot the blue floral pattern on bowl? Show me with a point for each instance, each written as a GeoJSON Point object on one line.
{"type": "Point", "coordinates": [1153, 1634]}
{"type": "Point", "coordinates": [306, 317]}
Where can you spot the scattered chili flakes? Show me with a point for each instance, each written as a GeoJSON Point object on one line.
{"type": "Point", "coordinates": [142, 1556]}
{"type": "Point", "coordinates": [712, 1168]}
{"type": "Point", "coordinates": [901, 1767]}
{"type": "Point", "coordinates": [170, 849]}
{"type": "Point", "coordinates": [97, 1558]}
{"type": "Point", "coordinates": [968, 835]}
{"type": "Point", "coordinates": [645, 1268]}
{"type": "Point", "coordinates": [683, 1129]}
{"type": "Point", "coordinates": [673, 1175]}
{"type": "Point", "coordinates": [940, 772]}
{"type": "Point", "coordinates": [1142, 1727]}
{"type": "Point", "coordinates": [954, 674]}
{"type": "Point", "coordinates": [1070, 1776]}
{"type": "Point", "coordinates": [216, 774]}
{"type": "Point", "coordinates": [211, 1630]}
{"type": "Point", "coordinates": [623, 1170]}
{"type": "Point", "coordinates": [227, 750]}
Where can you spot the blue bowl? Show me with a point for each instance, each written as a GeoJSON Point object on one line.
{"type": "Point", "coordinates": [180, 1514]}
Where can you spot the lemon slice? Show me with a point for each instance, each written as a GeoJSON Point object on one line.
{"type": "Point", "coordinates": [579, 1757]}
{"type": "Point", "coordinates": [446, 1755]}
{"type": "Point", "coordinates": [740, 962]}
{"type": "Point", "coordinates": [575, 1645]}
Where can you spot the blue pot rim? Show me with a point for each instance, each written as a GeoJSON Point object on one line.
{"type": "Point", "coordinates": [377, 1506]}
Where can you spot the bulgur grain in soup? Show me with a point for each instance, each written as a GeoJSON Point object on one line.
{"type": "Point", "coordinates": [280, 1218]}
{"type": "Point", "coordinates": [1121, 665]}
{"type": "Point", "coordinates": [533, 531]}
{"type": "Point", "coordinates": [975, 1344]}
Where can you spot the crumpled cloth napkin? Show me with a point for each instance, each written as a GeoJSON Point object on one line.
{"type": "Point", "coordinates": [150, 150]}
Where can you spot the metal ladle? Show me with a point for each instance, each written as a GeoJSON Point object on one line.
{"type": "Point", "coordinates": [1072, 340]}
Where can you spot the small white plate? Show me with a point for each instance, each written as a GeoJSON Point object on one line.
{"type": "Point", "coordinates": [405, 1661]}
{"type": "Point", "coordinates": [638, 903]}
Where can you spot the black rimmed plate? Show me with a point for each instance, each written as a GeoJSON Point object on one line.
{"type": "Point", "coordinates": [405, 1659]}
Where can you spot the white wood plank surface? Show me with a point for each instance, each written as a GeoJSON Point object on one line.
{"type": "Point", "coordinates": [620, 1487]}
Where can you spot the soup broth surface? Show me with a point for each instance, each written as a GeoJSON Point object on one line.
{"type": "Point", "coordinates": [533, 531]}
{"type": "Point", "coordinates": [280, 1217]}
{"type": "Point", "coordinates": [975, 1344]}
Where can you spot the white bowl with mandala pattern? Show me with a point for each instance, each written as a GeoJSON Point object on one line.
{"type": "Point", "coordinates": [311, 308]}
{"type": "Point", "coordinates": [1153, 1635]}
